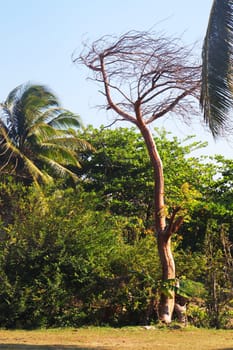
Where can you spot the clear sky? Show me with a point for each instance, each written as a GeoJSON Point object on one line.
{"type": "Point", "coordinates": [39, 37]}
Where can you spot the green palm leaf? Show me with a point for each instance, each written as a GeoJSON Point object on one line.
{"type": "Point", "coordinates": [69, 142]}
{"type": "Point", "coordinates": [59, 169]}
{"type": "Point", "coordinates": [59, 153]}
{"type": "Point", "coordinates": [43, 132]}
{"type": "Point", "coordinates": [25, 104]}
{"type": "Point", "coordinates": [35, 172]}
{"type": "Point", "coordinates": [38, 138]}
{"type": "Point", "coordinates": [65, 119]}
{"type": "Point", "coordinates": [216, 93]}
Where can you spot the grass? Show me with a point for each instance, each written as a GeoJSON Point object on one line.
{"type": "Point", "coordinates": [128, 338]}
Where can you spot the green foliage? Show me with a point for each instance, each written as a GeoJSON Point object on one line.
{"type": "Point", "coordinates": [120, 171]}
{"type": "Point", "coordinates": [190, 288]}
{"type": "Point", "coordinates": [87, 254]}
{"type": "Point", "coordinates": [36, 139]}
{"type": "Point", "coordinates": [71, 264]}
{"type": "Point", "coordinates": [197, 315]}
{"type": "Point", "coordinates": [190, 264]}
{"type": "Point", "coordinates": [219, 279]}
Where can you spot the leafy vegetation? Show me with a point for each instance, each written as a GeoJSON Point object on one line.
{"type": "Point", "coordinates": [86, 254]}
{"type": "Point", "coordinates": [36, 139]}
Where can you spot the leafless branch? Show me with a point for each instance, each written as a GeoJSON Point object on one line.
{"type": "Point", "coordinates": [157, 74]}
{"type": "Point", "coordinates": [111, 124]}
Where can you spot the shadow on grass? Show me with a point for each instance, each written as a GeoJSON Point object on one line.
{"type": "Point", "coordinates": [47, 347]}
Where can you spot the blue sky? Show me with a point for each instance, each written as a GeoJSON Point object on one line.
{"type": "Point", "coordinates": [39, 37]}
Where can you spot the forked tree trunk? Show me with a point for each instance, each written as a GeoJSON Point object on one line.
{"type": "Point", "coordinates": [163, 234]}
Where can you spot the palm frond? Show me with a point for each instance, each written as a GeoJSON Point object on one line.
{"type": "Point", "coordinates": [70, 142]}
{"type": "Point", "coordinates": [58, 168]}
{"type": "Point", "coordinates": [217, 74]}
{"type": "Point", "coordinates": [36, 99]}
{"type": "Point", "coordinates": [13, 95]}
{"type": "Point", "coordinates": [29, 101]}
{"type": "Point", "coordinates": [66, 119]}
{"type": "Point", "coordinates": [38, 138]}
{"type": "Point", "coordinates": [7, 141]}
{"type": "Point", "coordinates": [4, 114]}
{"type": "Point", "coordinates": [38, 96]}
{"type": "Point", "coordinates": [7, 149]}
{"type": "Point", "coordinates": [43, 132]}
{"type": "Point", "coordinates": [37, 174]}
{"type": "Point", "coordinates": [59, 153]}
{"type": "Point", "coordinates": [14, 152]}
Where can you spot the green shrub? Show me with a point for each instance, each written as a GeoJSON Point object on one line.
{"type": "Point", "coordinates": [64, 263]}
{"type": "Point", "coordinates": [197, 316]}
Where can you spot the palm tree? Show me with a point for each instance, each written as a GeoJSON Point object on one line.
{"type": "Point", "coordinates": [37, 137]}
{"type": "Point", "coordinates": [217, 69]}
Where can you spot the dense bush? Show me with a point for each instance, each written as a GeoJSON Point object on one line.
{"type": "Point", "coordinates": [65, 263]}
{"type": "Point", "coordinates": [87, 254]}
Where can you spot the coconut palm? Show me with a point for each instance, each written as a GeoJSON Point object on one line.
{"type": "Point", "coordinates": [217, 74]}
{"type": "Point", "coordinates": [37, 137]}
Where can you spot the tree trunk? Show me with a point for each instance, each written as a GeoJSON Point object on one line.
{"type": "Point", "coordinates": [167, 302]}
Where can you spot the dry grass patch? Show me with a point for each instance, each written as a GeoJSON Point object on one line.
{"type": "Point", "coordinates": [135, 338]}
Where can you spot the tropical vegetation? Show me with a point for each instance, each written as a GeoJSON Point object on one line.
{"type": "Point", "coordinates": [37, 136]}
{"type": "Point", "coordinates": [216, 92]}
{"type": "Point", "coordinates": [91, 258]}
{"type": "Point", "coordinates": [86, 253]}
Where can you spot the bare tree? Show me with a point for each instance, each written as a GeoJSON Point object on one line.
{"type": "Point", "coordinates": [145, 77]}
